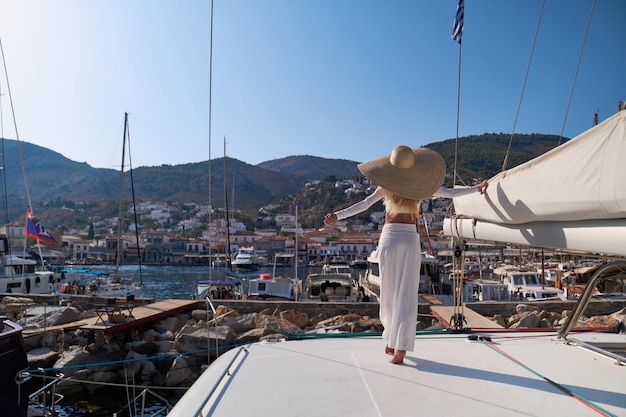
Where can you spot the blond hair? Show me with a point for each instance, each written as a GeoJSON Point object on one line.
{"type": "Point", "coordinates": [396, 204]}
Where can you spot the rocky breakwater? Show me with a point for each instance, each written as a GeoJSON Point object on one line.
{"type": "Point", "coordinates": [535, 317]}
{"type": "Point", "coordinates": [173, 351]}
{"type": "Point", "coordinates": [168, 353]}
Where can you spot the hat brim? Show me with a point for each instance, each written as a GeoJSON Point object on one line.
{"type": "Point", "coordinates": [418, 182]}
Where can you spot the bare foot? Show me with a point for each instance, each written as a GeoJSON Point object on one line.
{"type": "Point", "coordinates": [388, 350]}
{"type": "Point", "coordinates": [398, 357]}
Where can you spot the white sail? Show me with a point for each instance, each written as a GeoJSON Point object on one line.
{"type": "Point", "coordinates": [572, 197]}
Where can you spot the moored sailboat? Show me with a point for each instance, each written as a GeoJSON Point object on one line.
{"type": "Point", "coordinates": [464, 371]}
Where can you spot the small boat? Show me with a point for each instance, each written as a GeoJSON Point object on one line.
{"type": "Point", "coordinates": [245, 260]}
{"type": "Point", "coordinates": [268, 287]}
{"type": "Point", "coordinates": [217, 290]}
{"type": "Point", "coordinates": [358, 263]}
{"type": "Point", "coordinates": [335, 283]}
{"type": "Point", "coordinates": [428, 273]}
{"type": "Point", "coordinates": [105, 285]}
{"type": "Point", "coordinates": [527, 285]}
{"type": "Point", "coordinates": [20, 276]}
{"type": "Point", "coordinates": [330, 287]}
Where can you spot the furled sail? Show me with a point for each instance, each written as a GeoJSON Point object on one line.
{"type": "Point", "coordinates": [572, 197]}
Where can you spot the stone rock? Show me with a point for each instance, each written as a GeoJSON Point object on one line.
{"type": "Point", "coordinates": [168, 323]}
{"type": "Point", "coordinates": [165, 346]}
{"type": "Point", "coordinates": [43, 357]}
{"type": "Point", "coordinates": [21, 301]}
{"type": "Point", "coordinates": [180, 373]}
{"type": "Point", "coordinates": [49, 339]}
{"type": "Point", "coordinates": [183, 318]}
{"type": "Point", "coordinates": [221, 310]}
{"type": "Point", "coordinates": [105, 376]}
{"type": "Point", "coordinates": [346, 322]}
{"type": "Point", "coordinates": [167, 335]}
{"type": "Point", "coordinates": [367, 324]}
{"type": "Point", "coordinates": [267, 311]}
{"type": "Point", "coordinates": [71, 359]}
{"type": "Point", "coordinates": [198, 315]}
{"type": "Point", "coordinates": [52, 317]}
{"type": "Point", "coordinates": [552, 318]}
{"type": "Point", "coordinates": [82, 374]}
{"type": "Point", "coordinates": [313, 321]}
{"type": "Point", "coordinates": [133, 366]}
{"type": "Point", "coordinates": [250, 336]}
{"type": "Point", "coordinates": [420, 325]}
{"type": "Point", "coordinates": [186, 329]}
{"type": "Point", "coordinates": [148, 372]}
{"type": "Point", "coordinates": [620, 316]}
{"type": "Point", "coordinates": [141, 346]}
{"type": "Point", "coordinates": [198, 341]}
{"type": "Point", "coordinates": [530, 320]}
{"type": "Point", "coordinates": [272, 337]}
{"type": "Point", "coordinates": [601, 321]}
{"type": "Point", "coordinates": [238, 323]}
{"type": "Point", "coordinates": [499, 318]}
{"type": "Point", "coordinates": [298, 318]}
{"type": "Point", "coordinates": [272, 324]}
{"type": "Point", "coordinates": [543, 324]}
{"type": "Point", "coordinates": [151, 335]}
{"type": "Point", "coordinates": [525, 308]}
{"type": "Point", "coordinates": [33, 341]}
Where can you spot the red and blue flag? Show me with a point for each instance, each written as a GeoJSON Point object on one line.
{"type": "Point", "coordinates": [35, 229]}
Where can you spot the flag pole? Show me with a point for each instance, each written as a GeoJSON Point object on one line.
{"type": "Point", "coordinates": [457, 34]}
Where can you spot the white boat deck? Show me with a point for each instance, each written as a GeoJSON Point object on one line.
{"type": "Point", "coordinates": [516, 374]}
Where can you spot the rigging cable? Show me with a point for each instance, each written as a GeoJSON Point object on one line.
{"type": "Point", "coordinates": [580, 57]}
{"type": "Point", "coordinates": [132, 188]}
{"type": "Point", "coordinates": [3, 180]}
{"type": "Point", "coordinates": [506, 157]}
{"type": "Point", "coordinates": [19, 148]}
{"type": "Point", "coordinates": [588, 403]}
{"type": "Point", "coordinates": [17, 135]}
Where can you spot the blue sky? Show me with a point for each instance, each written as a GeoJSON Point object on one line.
{"type": "Point", "coordinates": [345, 79]}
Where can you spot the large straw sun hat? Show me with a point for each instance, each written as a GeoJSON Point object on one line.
{"type": "Point", "coordinates": [411, 173]}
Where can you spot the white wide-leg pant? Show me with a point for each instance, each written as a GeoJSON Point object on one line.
{"type": "Point", "coordinates": [399, 262]}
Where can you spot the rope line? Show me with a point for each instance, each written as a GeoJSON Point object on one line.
{"type": "Point", "coordinates": [555, 384]}
{"type": "Point", "coordinates": [519, 106]}
{"type": "Point", "coordinates": [580, 57]}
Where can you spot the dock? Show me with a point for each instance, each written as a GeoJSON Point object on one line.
{"type": "Point", "coordinates": [474, 320]}
{"type": "Point", "coordinates": [139, 315]}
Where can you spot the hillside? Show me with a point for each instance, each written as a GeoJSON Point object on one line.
{"type": "Point", "coordinates": [64, 192]}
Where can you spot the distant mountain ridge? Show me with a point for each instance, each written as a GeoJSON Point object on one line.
{"type": "Point", "coordinates": [55, 181]}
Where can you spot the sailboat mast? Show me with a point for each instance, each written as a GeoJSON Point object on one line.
{"type": "Point", "coordinates": [227, 250]}
{"type": "Point", "coordinates": [119, 215]}
{"type": "Point", "coordinates": [210, 177]}
{"type": "Point", "coordinates": [295, 272]}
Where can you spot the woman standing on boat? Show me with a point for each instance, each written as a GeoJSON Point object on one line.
{"type": "Point", "coordinates": [404, 177]}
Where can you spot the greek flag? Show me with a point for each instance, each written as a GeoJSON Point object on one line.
{"type": "Point", "coordinates": [457, 28]}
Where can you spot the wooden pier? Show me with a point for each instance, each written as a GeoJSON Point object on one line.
{"type": "Point", "coordinates": [474, 320]}
{"type": "Point", "coordinates": [125, 319]}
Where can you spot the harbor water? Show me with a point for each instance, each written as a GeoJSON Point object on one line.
{"type": "Point", "coordinates": [160, 283]}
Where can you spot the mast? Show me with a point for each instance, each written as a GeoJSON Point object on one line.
{"type": "Point", "coordinates": [119, 252]}
{"type": "Point", "coordinates": [228, 260]}
{"type": "Point", "coordinates": [210, 178]}
{"type": "Point", "coordinates": [296, 244]}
